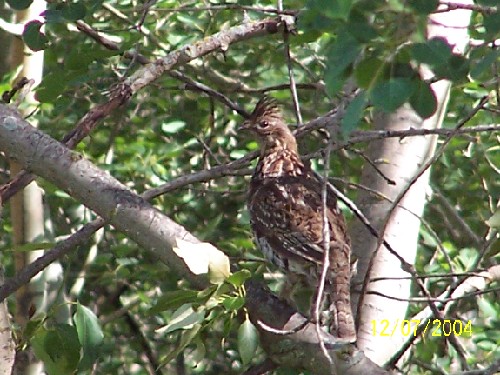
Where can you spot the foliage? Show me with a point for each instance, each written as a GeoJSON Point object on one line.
{"type": "Point", "coordinates": [148, 317]}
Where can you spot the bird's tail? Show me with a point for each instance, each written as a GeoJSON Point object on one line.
{"type": "Point", "coordinates": [342, 322]}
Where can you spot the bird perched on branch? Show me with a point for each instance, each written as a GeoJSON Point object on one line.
{"type": "Point", "coordinates": [287, 216]}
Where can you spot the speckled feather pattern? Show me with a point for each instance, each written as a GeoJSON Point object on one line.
{"type": "Point", "coordinates": [286, 214]}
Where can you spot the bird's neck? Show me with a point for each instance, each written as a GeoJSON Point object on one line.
{"type": "Point", "coordinates": [279, 158]}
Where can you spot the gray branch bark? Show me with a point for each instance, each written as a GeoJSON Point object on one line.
{"type": "Point", "coordinates": [155, 232]}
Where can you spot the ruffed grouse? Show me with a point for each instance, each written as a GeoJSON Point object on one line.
{"type": "Point", "coordinates": [286, 215]}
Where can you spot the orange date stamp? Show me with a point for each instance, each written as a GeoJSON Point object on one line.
{"type": "Point", "coordinates": [414, 327]}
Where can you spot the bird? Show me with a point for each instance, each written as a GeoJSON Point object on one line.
{"type": "Point", "coordinates": [286, 216]}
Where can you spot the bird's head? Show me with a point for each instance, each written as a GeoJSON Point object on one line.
{"type": "Point", "coordinates": [267, 124]}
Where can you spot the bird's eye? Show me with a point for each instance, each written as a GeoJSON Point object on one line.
{"type": "Point", "coordinates": [263, 124]}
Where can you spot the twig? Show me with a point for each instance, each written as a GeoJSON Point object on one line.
{"type": "Point", "coordinates": [291, 77]}
{"type": "Point", "coordinates": [463, 227]}
{"type": "Point", "coordinates": [8, 95]}
{"type": "Point", "coordinates": [232, 6]}
{"type": "Point", "coordinates": [145, 9]}
{"type": "Point", "coordinates": [493, 274]}
{"type": "Point", "coordinates": [439, 300]}
{"type": "Point", "coordinates": [208, 90]}
{"type": "Point", "coordinates": [325, 267]}
{"type": "Point", "coordinates": [473, 7]}
{"type": "Point", "coordinates": [287, 332]}
{"type": "Point", "coordinates": [373, 165]}
{"type": "Point", "coordinates": [370, 135]}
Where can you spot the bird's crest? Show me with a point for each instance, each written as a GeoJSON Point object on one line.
{"type": "Point", "coordinates": [266, 107]}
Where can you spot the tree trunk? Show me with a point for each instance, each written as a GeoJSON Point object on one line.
{"type": "Point", "coordinates": [399, 160]}
{"type": "Point", "coordinates": [27, 207]}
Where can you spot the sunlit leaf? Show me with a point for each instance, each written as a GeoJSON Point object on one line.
{"type": "Point", "coordinates": [172, 127]}
{"type": "Point", "coordinates": [185, 317]}
{"type": "Point", "coordinates": [238, 278]}
{"type": "Point", "coordinates": [204, 258]}
{"type": "Point", "coordinates": [494, 220]}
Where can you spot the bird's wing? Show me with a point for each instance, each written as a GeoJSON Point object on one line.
{"type": "Point", "coordinates": [288, 213]}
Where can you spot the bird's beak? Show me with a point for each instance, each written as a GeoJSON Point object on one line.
{"type": "Point", "coordinates": [245, 126]}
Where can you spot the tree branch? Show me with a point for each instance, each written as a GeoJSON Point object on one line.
{"type": "Point", "coordinates": [301, 349]}
{"type": "Point", "coordinates": [110, 199]}
{"type": "Point", "coordinates": [157, 233]}
{"type": "Point", "coordinates": [145, 76]}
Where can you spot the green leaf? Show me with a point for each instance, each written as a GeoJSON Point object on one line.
{"type": "Point", "coordinates": [53, 16]}
{"type": "Point", "coordinates": [336, 8]}
{"type": "Point", "coordinates": [435, 51]}
{"type": "Point", "coordinates": [456, 68]}
{"type": "Point", "coordinates": [90, 335]}
{"type": "Point", "coordinates": [172, 127]}
{"type": "Point", "coordinates": [74, 11]}
{"type": "Point", "coordinates": [390, 95]}
{"type": "Point", "coordinates": [173, 300]}
{"type": "Point", "coordinates": [186, 339]}
{"type": "Point", "coordinates": [312, 24]}
{"type": "Point", "coordinates": [494, 221]}
{"type": "Point", "coordinates": [487, 2]}
{"type": "Point", "coordinates": [238, 278]}
{"type": "Point", "coordinates": [423, 100]}
{"type": "Point", "coordinates": [58, 348]}
{"type": "Point", "coordinates": [185, 317]}
{"type": "Point", "coordinates": [31, 328]}
{"type": "Point", "coordinates": [342, 53]}
{"type": "Point", "coordinates": [362, 31]}
{"type": "Point", "coordinates": [492, 23]}
{"type": "Point", "coordinates": [340, 56]}
{"type": "Point", "coordinates": [19, 4]}
{"type": "Point", "coordinates": [424, 7]}
{"type": "Point", "coordinates": [33, 37]}
{"type": "Point", "coordinates": [488, 308]}
{"type": "Point", "coordinates": [485, 63]}
{"type": "Point", "coordinates": [233, 303]}
{"type": "Point", "coordinates": [368, 72]}
{"type": "Point", "coordinates": [80, 57]}
{"type": "Point", "coordinates": [33, 246]}
{"type": "Point", "coordinates": [53, 84]}
{"type": "Point", "coordinates": [247, 341]}
{"type": "Point", "coordinates": [192, 21]}
{"type": "Point", "coordinates": [353, 114]}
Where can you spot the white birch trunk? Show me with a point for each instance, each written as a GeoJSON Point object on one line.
{"type": "Point", "coordinates": [399, 160]}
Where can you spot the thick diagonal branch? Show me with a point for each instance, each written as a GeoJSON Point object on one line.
{"type": "Point", "coordinates": [156, 233]}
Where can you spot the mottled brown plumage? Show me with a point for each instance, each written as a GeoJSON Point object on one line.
{"type": "Point", "coordinates": [286, 215]}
